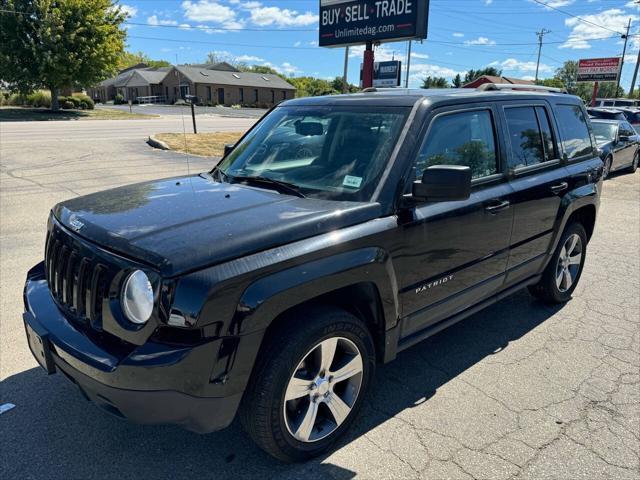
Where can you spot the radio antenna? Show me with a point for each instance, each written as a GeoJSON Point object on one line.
{"type": "Point", "coordinates": [184, 127]}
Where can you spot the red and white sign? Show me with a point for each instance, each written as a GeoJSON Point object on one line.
{"type": "Point", "coordinates": [599, 69]}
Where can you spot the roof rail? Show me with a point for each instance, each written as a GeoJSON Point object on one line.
{"type": "Point", "coordinates": [518, 86]}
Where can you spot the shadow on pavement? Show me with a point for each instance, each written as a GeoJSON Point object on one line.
{"type": "Point", "coordinates": [54, 433]}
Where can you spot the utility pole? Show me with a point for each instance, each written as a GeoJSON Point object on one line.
{"type": "Point", "coordinates": [635, 76]}
{"type": "Point", "coordinates": [406, 80]}
{"type": "Point", "coordinates": [345, 86]}
{"type": "Point", "coordinates": [624, 52]}
{"type": "Point", "coordinates": [541, 35]}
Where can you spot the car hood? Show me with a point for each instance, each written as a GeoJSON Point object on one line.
{"type": "Point", "coordinates": [186, 223]}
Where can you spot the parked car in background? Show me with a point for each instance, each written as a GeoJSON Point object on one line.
{"type": "Point", "coordinates": [606, 113]}
{"type": "Point", "coordinates": [633, 117]}
{"type": "Point", "coordinates": [618, 142]}
{"type": "Point", "coordinates": [617, 102]}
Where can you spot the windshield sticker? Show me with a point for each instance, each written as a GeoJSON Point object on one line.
{"type": "Point", "coordinates": [353, 182]}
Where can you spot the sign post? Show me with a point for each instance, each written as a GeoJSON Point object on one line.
{"type": "Point", "coordinates": [371, 22]}
{"type": "Point", "coordinates": [595, 94]}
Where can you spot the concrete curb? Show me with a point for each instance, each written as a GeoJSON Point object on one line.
{"type": "Point", "coordinates": [155, 143]}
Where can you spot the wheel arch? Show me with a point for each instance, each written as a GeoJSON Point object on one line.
{"type": "Point", "coordinates": [362, 282]}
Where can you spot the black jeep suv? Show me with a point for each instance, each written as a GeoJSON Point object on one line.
{"type": "Point", "coordinates": [336, 233]}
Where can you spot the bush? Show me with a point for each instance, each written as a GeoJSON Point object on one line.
{"type": "Point", "coordinates": [86, 102]}
{"type": "Point", "coordinates": [16, 100]}
{"type": "Point", "coordinates": [39, 99]}
{"type": "Point", "coordinates": [118, 100]}
{"type": "Point", "coordinates": [67, 105]}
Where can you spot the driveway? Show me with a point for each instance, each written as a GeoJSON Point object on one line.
{"type": "Point", "coordinates": [520, 390]}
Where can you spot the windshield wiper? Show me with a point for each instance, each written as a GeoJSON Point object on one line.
{"type": "Point", "coordinates": [283, 187]}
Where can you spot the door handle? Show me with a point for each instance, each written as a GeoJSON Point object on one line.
{"type": "Point", "coordinates": [499, 207]}
{"type": "Point", "coordinates": [560, 187]}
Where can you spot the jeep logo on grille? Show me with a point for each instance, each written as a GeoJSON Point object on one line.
{"type": "Point", "coordinates": [76, 224]}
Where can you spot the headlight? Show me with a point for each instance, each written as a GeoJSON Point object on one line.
{"type": "Point", "coordinates": [137, 297]}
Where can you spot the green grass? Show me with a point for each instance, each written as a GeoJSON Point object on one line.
{"type": "Point", "coordinates": [18, 114]}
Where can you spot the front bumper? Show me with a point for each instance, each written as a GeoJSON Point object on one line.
{"type": "Point", "coordinates": [150, 384]}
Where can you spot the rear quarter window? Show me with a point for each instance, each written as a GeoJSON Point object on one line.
{"type": "Point", "coordinates": [574, 131]}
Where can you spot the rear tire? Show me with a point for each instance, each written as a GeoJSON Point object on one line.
{"type": "Point", "coordinates": [308, 383]}
{"type": "Point", "coordinates": [564, 270]}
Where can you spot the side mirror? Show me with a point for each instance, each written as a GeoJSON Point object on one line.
{"type": "Point", "coordinates": [624, 138]}
{"type": "Point", "coordinates": [228, 148]}
{"type": "Point", "coordinates": [444, 183]}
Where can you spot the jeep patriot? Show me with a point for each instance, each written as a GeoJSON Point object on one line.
{"type": "Point", "coordinates": [337, 232]}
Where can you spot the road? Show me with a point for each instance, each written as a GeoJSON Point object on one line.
{"type": "Point", "coordinates": [520, 390]}
{"type": "Point", "coordinates": [180, 110]}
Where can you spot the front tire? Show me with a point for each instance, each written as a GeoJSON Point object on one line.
{"type": "Point", "coordinates": [564, 270]}
{"type": "Point", "coordinates": [308, 383]}
{"type": "Point", "coordinates": [634, 165]}
{"type": "Point", "coordinates": [606, 171]}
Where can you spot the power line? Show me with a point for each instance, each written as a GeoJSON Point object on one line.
{"type": "Point", "coordinates": [540, 2]}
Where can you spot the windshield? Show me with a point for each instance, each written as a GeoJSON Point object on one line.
{"type": "Point", "coordinates": [604, 132]}
{"type": "Point", "coordinates": [336, 153]}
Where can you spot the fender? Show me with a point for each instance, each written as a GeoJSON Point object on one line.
{"type": "Point", "coordinates": [272, 295]}
{"type": "Point", "coordinates": [574, 200]}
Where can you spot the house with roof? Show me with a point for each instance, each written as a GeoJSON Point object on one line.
{"type": "Point", "coordinates": [500, 80]}
{"type": "Point", "coordinates": [225, 87]}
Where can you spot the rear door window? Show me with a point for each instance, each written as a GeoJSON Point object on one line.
{"type": "Point", "coordinates": [576, 139]}
{"type": "Point", "coordinates": [460, 138]}
{"type": "Point", "coordinates": [530, 136]}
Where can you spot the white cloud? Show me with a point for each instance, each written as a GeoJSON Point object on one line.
{"type": "Point", "coordinates": [422, 56]}
{"type": "Point", "coordinates": [531, 78]}
{"type": "Point", "coordinates": [516, 65]}
{"type": "Point", "coordinates": [297, 44]}
{"type": "Point", "coordinates": [265, 16]}
{"type": "Point", "coordinates": [582, 33]}
{"type": "Point", "coordinates": [249, 59]}
{"type": "Point", "coordinates": [421, 70]}
{"type": "Point", "coordinates": [488, 2]}
{"type": "Point", "coordinates": [458, 35]}
{"type": "Point", "coordinates": [382, 53]}
{"type": "Point", "coordinates": [130, 10]}
{"type": "Point", "coordinates": [480, 41]}
{"type": "Point", "coordinates": [554, 3]}
{"type": "Point", "coordinates": [211, 11]}
{"type": "Point", "coordinates": [155, 21]}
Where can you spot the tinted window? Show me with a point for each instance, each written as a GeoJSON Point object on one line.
{"type": "Point", "coordinates": [626, 129]}
{"type": "Point", "coordinates": [464, 138]}
{"type": "Point", "coordinates": [576, 139]}
{"type": "Point", "coordinates": [530, 136]}
{"type": "Point", "coordinates": [547, 135]}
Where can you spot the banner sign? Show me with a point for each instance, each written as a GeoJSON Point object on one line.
{"type": "Point", "coordinates": [385, 74]}
{"type": "Point", "coordinates": [354, 22]}
{"type": "Point", "coordinates": [599, 69]}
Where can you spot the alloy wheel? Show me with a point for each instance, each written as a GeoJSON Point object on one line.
{"type": "Point", "coordinates": [323, 389]}
{"type": "Point", "coordinates": [569, 263]}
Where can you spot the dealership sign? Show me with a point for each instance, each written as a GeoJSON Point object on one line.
{"type": "Point", "coordinates": [599, 69]}
{"type": "Point", "coordinates": [353, 22]}
{"type": "Point", "coordinates": [385, 74]}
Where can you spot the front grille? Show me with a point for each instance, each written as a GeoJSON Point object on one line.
{"type": "Point", "coordinates": [77, 280]}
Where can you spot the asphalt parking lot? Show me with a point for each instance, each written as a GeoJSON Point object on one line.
{"type": "Point", "coordinates": [519, 390]}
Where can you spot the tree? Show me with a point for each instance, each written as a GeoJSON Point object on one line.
{"type": "Point", "coordinates": [457, 81]}
{"type": "Point", "coordinates": [435, 82]}
{"type": "Point", "coordinates": [129, 59]}
{"type": "Point", "coordinates": [338, 85]}
{"type": "Point", "coordinates": [59, 43]}
{"type": "Point", "coordinates": [472, 75]}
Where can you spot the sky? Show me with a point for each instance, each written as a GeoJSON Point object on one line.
{"type": "Point", "coordinates": [463, 34]}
